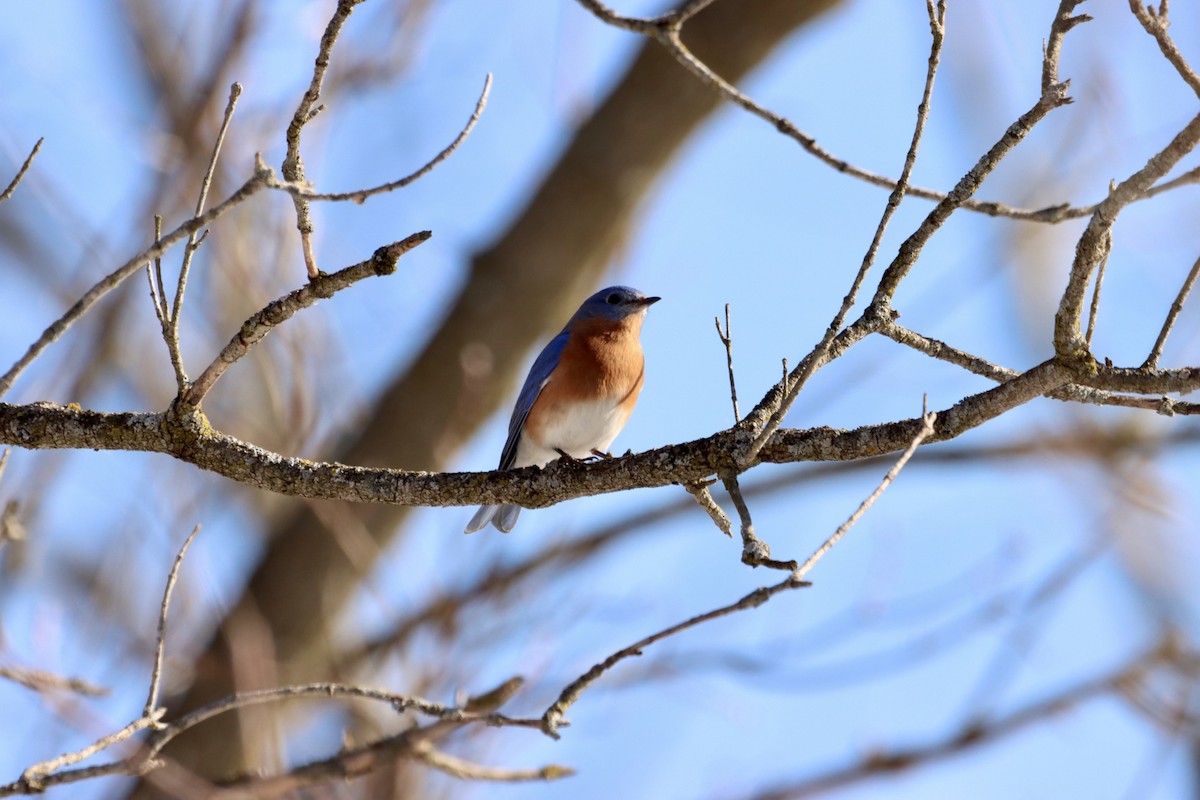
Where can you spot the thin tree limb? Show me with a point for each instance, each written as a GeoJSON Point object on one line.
{"type": "Point", "coordinates": [106, 284]}
{"type": "Point", "coordinates": [20, 176]}
{"type": "Point", "coordinates": [171, 327]}
{"type": "Point", "coordinates": [293, 164]}
{"type": "Point", "coordinates": [383, 262]}
{"type": "Point", "coordinates": [985, 731]}
{"type": "Point", "coordinates": [41, 681]}
{"type": "Point", "coordinates": [792, 385]}
{"type": "Point", "coordinates": [1089, 252]}
{"type": "Point", "coordinates": [1151, 361]}
{"type": "Point", "coordinates": [927, 420]}
{"type": "Point", "coordinates": [552, 719]}
{"type": "Point", "coordinates": [301, 191]}
{"type": "Point", "coordinates": [1155, 23]}
{"type": "Point", "coordinates": [151, 709]}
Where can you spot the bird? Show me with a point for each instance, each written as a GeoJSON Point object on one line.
{"type": "Point", "coordinates": [579, 392]}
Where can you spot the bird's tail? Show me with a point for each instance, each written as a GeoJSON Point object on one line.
{"type": "Point", "coordinates": [502, 518]}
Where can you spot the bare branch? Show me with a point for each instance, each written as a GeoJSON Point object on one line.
{"type": "Point", "coordinates": [114, 279]}
{"type": "Point", "coordinates": [399, 702]}
{"type": "Point", "coordinates": [171, 328]}
{"type": "Point", "coordinates": [700, 491]}
{"type": "Point", "coordinates": [154, 276]}
{"type": "Point", "coordinates": [151, 710]}
{"type": "Point", "coordinates": [665, 30]}
{"type": "Point", "coordinates": [467, 770]}
{"type": "Point", "coordinates": [1089, 251]}
{"type": "Point", "coordinates": [726, 338]}
{"type": "Point", "coordinates": [552, 719]}
{"type": "Point", "coordinates": [354, 762]}
{"type": "Point", "coordinates": [1155, 24]}
{"type": "Point", "coordinates": [383, 262]}
{"type": "Point", "coordinates": [884, 762]}
{"type": "Point", "coordinates": [20, 176]}
{"type": "Point", "coordinates": [1059, 28]}
{"type": "Point", "coordinates": [791, 387]}
{"type": "Point", "coordinates": [293, 165]}
{"type": "Point", "coordinates": [46, 425]}
{"type": "Point", "coordinates": [1151, 361]}
{"type": "Point", "coordinates": [755, 552]}
{"type": "Point", "coordinates": [302, 191]}
{"type": "Point", "coordinates": [1070, 393]}
{"type": "Point", "coordinates": [41, 681]}
{"type": "Point", "coordinates": [46, 773]}
{"type": "Point", "coordinates": [927, 419]}
{"type": "Point", "coordinates": [1094, 312]}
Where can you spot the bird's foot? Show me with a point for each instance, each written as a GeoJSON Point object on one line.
{"type": "Point", "coordinates": [593, 458]}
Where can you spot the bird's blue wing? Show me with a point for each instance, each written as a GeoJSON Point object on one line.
{"type": "Point", "coordinates": [545, 363]}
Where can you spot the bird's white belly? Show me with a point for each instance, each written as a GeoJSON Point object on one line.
{"type": "Point", "coordinates": [576, 430]}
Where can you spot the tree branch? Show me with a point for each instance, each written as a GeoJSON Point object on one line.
{"type": "Point", "coordinates": [293, 165]}
{"type": "Point", "coordinates": [383, 262]}
{"type": "Point", "coordinates": [20, 176]}
{"type": "Point", "coordinates": [883, 762]}
{"type": "Point", "coordinates": [1089, 252]}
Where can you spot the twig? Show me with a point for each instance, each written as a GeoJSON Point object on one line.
{"type": "Point", "coordinates": [1069, 393]}
{"type": "Point", "coordinates": [151, 709]}
{"type": "Point", "coordinates": [40, 681]}
{"type": "Point", "coordinates": [665, 30]}
{"type": "Point", "coordinates": [254, 184]}
{"type": "Point", "coordinates": [755, 552]}
{"type": "Point", "coordinates": [1151, 361]}
{"type": "Point", "coordinates": [552, 719]}
{"type": "Point", "coordinates": [293, 165]}
{"type": "Point", "coordinates": [46, 773]}
{"type": "Point", "coordinates": [884, 762]}
{"type": "Point", "coordinates": [383, 262]}
{"type": "Point", "coordinates": [400, 702]}
{"type": "Point", "coordinates": [1094, 311]}
{"type": "Point", "coordinates": [171, 329]}
{"type": "Point", "coordinates": [353, 762]}
{"type": "Point", "coordinates": [726, 338]}
{"type": "Point", "coordinates": [158, 296]}
{"type": "Point", "coordinates": [700, 491]}
{"type": "Point", "coordinates": [302, 191]}
{"type": "Point", "coordinates": [20, 176]}
{"type": "Point", "coordinates": [470, 771]}
{"type": "Point", "coordinates": [154, 277]}
{"type": "Point", "coordinates": [927, 420]}
{"type": "Point", "coordinates": [937, 27]}
{"type": "Point", "coordinates": [4, 461]}
{"type": "Point", "coordinates": [1089, 251]}
{"type": "Point", "coordinates": [35, 777]}
{"type": "Point", "coordinates": [263, 178]}
{"type": "Point", "coordinates": [1053, 95]}
{"type": "Point", "coordinates": [1155, 23]}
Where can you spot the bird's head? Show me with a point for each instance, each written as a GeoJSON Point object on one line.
{"type": "Point", "coordinates": [615, 304]}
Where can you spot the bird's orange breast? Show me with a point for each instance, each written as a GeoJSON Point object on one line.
{"type": "Point", "coordinates": [601, 363]}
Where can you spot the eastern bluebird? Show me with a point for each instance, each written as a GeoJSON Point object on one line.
{"type": "Point", "coordinates": [579, 392]}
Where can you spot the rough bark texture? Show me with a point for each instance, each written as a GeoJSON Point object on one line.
{"type": "Point", "coordinates": [529, 280]}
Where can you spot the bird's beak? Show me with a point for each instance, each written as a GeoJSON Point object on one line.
{"type": "Point", "coordinates": [648, 301]}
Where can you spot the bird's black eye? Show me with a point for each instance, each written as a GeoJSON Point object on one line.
{"type": "Point", "coordinates": [613, 299]}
